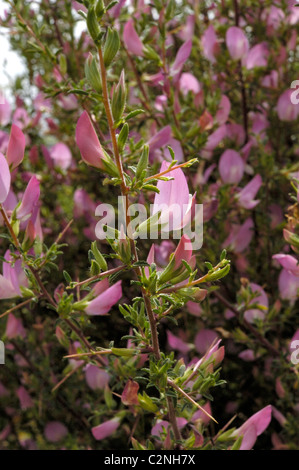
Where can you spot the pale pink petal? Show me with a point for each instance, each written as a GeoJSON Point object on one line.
{"type": "Point", "coordinates": [88, 142]}
{"type": "Point", "coordinates": [96, 378]}
{"type": "Point", "coordinates": [131, 39]}
{"type": "Point", "coordinates": [105, 301]}
{"type": "Point", "coordinates": [237, 42]}
{"type": "Point", "coordinates": [105, 429]}
{"type": "Point", "coordinates": [5, 178]}
{"type": "Point", "coordinates": [30, 198]}
{"type": "Point", "coordinates": [231, 167]}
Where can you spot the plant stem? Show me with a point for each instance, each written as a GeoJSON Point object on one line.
{"type": "Point", "coordinates": [124, 191]}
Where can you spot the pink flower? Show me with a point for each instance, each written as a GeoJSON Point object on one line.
{"type": "Point", "coordinates": [5, 178]}
{"type": "Point", "coordinates": [257, 56]}
{"type": "Point", "coordinates": [61, 155]}
{"type": "Point", "coordinates": [181, 57]}
{"type": "Point", "coordinates": [231, 167]}
{"type": "Point", "coordinates": [163, 251]}
{"type": "Point", "coordinates": [131, 39]}
{"type": "Point", "coordinates": [96, 378]}
{"type": "Point", "coordinates": [189, 83]}
{"type": "Point", "coordinates": [223, 111]}
{"type": "Point", "coordinates": [288, 285]}
{"type": "Point", "coordinates": [253, 427]}
{"type": "Point", "coordinates": [25, 398]}
{"type": "Point", "coordinates": [105, 298]}
{"type": "Point", "coordinates": [14, 327]}
{"type": "Point", "coordinates": [246, 196]}
{"type": "Point", "coordinates": [160, 139]}
{"type": "Point", "coordinates": [183, 252]}
{"type": "Point", "coordinates": [204, 340]}
{"type": "Point", "coordinates": [210, 44]}
{"type": "Point", "coordinates": [87, 140]}
{"type": "Point", "coordinates": [55, 431]}
{"type": "Point", "coordinates": [286, 110]}
{"type": "Point", "coordinates": [173, 200]}
{"type": "Point", "coordinates": [240, 236]}
{"type": "Point", "coordinates": [105, 429]}
{"type": "Point", "coordinates": [13, 277]}
{"type": "Point", "coordinates": [29, 200]}
{"type": "Point", "coordinates": [288, 262]}
{"type": "Point", "coordinates": [157, 429]}
{"type": "Point", "coordinates": [237, 42]}
{"type": "Point", "coordinates": [177, 343]}
{"type": "Point", "coordinates": [260, 299]}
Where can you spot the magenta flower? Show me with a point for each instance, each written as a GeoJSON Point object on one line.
{"type": "Point", "coordinates": [105, 429]}
{"type": "Point", "coordinates": [286, 110]}
{"type": "Point", "coordinates": [29, 200]}
{"type": "Point", "coordinates": [87, 140]}
{"type": "Point", "coordinates": [240, 236]}
{"type": "Point", "coordinates": [96, 378]}
{"type": "Point", "coordinates": [288, 262]}
{"type": "Point", "coordinates": [14, 327]}
{"type": "Point", "coordinates": [236, 42]}
{"type": "Point", "coordinates": [61, 155]}
{"type": "Point", "coordinates": [223, 111]}
{"type": "Point", "coordinates": [131, 39]}
{"type": "Point", "coordinates": [173, 200]}
{"type": "Point", "coordinates": [163, 251]}
{"type": "Point", "coordinates": [260, 299]}
{"type": "Point", "coordinates": [214, 351]}
{"type": "Point", "coordinates": [189, 83]}
{"type": "Point", "coordinates": [105, 298]}
{"type": "Point", "coordinates": [253, 427]}
{"type": "Point", "coordinates": [288, 285]}
{"type": "Point", "coordinates": [181, 57]}
{"type": "Point", "coordinates": [204, 340]}
{"type": "Point", "coordinates": [210, 44]}
{"type": "Point", "coordinates": [160, 139]}
{"type": "Point", "coordinates": [183, 252]}
{"type": "Point", "coordinates": [246, 196]}
{"type": "Point", "coordinates": [160, 425]}
{"type": "Point", "coordinates": [25, 399]}
{"type": "Point", "coordinates": [55, 431]}
{"type": "Point", "coordinates": [5, 178]}
{"type": "Point", "coordinates": [231, 167]}
{"type": "Point", "coordinates": [12, 279]}
{"type": "Point", "coordinates": [257, 56]}
{"type": "Point", "coordinates": [178, 343]}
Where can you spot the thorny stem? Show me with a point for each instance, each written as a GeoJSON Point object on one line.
{"type": "Point", "coordinates": [22, 304]}
{"type": "Point", "coordinates": [158, 175]}
{"type": "Point", "coordinates": [124, 191]}
{"type": "Point", "coordinates": [100, 276]}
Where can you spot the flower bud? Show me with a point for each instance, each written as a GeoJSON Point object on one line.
{"type": "Point", "coordinates": [111, 46]}
{"type": "Point", "coordinates": [92, 73]}
{"type": "Point", "coordinates": [123, 136]}
{"type": "Point", "coordinates": [118, 103]}
{"type": "Point", "coordinates": [92, 24]}
{"type": "Point", "coordinates": [143, 162]}
{"type": "Point", "coordinates": [99, 257]}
